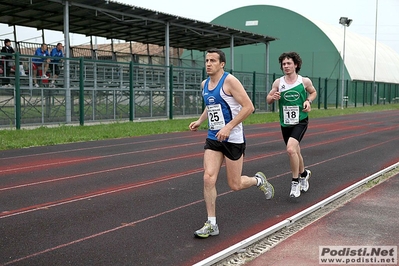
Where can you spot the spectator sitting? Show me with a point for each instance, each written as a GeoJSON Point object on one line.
{"type": "Point", "coordinates": [40, 62]}
{"type": "Point", "coordinates": [8, 63]}
{"type": "Point", "coordinates": [55, 69]}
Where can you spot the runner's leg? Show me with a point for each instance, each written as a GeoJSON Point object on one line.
{"type": "Point", "coordinates": [212, 162]}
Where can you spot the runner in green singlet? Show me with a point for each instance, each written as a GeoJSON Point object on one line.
{"type": "Point", "coordinates": [295, 95]}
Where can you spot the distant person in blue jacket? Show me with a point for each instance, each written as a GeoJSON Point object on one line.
{"type": "Point", "coordinates": [42, 63]}
{"type": "Point", "coordinates": [54, 65]}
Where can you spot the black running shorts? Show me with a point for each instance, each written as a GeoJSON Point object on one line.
{"type": "Point", "coordinates": [233, 151]}
{"type": "Point", "coordinates": [297, 131]}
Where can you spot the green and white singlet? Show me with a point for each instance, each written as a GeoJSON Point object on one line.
{"type": "Point", "coordinates": [291, 102]}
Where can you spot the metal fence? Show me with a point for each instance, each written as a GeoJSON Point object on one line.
{"type": "Point", "coordinates": [90, 90]}
{"type": "Point", "coordinates": [154, 58]}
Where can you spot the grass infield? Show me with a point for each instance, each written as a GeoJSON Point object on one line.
{"type": "Point", "coordinates": [42, 136]}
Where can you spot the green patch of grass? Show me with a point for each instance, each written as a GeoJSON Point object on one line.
{"type": "Point", "coordinates": [43, 136]}
{"type": "Point", "coordinates": [372, 183]}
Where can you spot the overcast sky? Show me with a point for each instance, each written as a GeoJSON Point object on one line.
{"type": "Point", "coordinates": [363, 13]}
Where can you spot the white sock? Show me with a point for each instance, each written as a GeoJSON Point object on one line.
{"type": "Point", "coordinates": [259, 181]}
{"type": "Point", "coordinates": [212, 220]}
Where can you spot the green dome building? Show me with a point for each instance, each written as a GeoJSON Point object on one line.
{"type": "Point", "coordinates": [318, 44]}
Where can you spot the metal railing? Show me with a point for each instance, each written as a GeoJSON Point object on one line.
{"type": "Point", "coordinates": [90, 90]}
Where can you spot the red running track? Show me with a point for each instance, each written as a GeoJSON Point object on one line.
{"type": "Point", "coordinates": [137, 201]}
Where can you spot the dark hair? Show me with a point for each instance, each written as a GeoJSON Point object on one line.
{"type": "Point", "coordinates": [6, 41]}
{"type": "Point", "coordinates": [294, 56]}
{"type": "Point", "coordinates": [222, 56]}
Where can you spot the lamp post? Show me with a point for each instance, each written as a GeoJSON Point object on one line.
{"type": "Point", "coordinates": [346, 22]}
{"type": "Point", "coordinates": [375, 53]}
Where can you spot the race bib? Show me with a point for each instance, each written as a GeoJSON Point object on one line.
{"type": "Point", "coordinates": [291, 115]}
{"type": "Point", "coordinates": [215, 117]}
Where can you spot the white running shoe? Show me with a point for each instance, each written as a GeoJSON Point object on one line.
{"type": "Point", "coordinates": [44, 77]}
{"type": "Point", "coordinates": [265, 186]}
{"type": "Point", "coordinates": [207, 230]}
{"type": "Point", "coordinates": [304, 181]}
{"type": "Point", "coordinates": [295, 189]}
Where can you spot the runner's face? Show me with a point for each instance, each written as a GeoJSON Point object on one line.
{"type": "Point", "coordinates": [288, 66]}
{"type": "Point", "coordinates": [213, 64]}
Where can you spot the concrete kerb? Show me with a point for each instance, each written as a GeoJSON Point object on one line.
{"type": "Point", "coordinates": [240, 247]}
